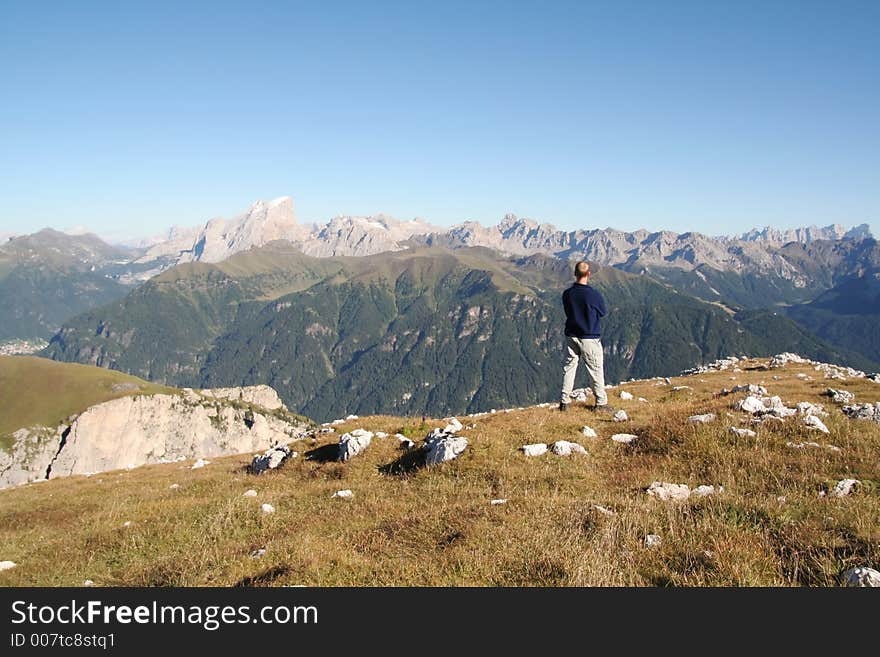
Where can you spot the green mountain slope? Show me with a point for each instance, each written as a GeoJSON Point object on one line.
{"type": "Point", "coordinates": [419, 331]}
{"type": "Point", "coordinates": [49, 277]}
{"type": "Point", "coordinates": [847, 315]}
{"type": "Point", "coordinates": [36, 391]}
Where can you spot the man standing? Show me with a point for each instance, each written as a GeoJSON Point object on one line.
{"type": "Point", "coordinates": [584, 308]}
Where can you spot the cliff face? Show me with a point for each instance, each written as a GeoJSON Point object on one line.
{"type": "Point", "coordinates": [139, 430]}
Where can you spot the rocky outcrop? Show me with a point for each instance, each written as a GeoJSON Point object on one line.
{"type": "Point", "coordinates": [352, 444]}
{"type": "Point", "coordinates": [442, 446]}
{"type": "Point", "coordinates": [260, 395]}
{"type": "Point", "coordinates": [138, 430]}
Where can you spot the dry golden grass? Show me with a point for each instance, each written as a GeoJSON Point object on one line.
{"type": "Point", "coordinates": [436, 526]}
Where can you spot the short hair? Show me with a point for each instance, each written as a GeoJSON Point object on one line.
{"type": "Point", "coordinates": [581, 269]}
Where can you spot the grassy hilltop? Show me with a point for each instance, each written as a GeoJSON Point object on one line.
{"type": "Point", "coordinates": [38, 391]}
{"type": "Point", "coordinates": [437, 527]}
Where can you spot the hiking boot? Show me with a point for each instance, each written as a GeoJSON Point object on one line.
{"type": "Point", "coordinates": [605, 409]}
{"type": "Point", "coordinates": [563, 406]}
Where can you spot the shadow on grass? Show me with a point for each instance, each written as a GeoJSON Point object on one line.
{"type": "Point", "coordinates": [409, 462]}
{"type": "Point", "coordinates": [323, 454]}
{"type": "Point", "coordinates": [263, 579]}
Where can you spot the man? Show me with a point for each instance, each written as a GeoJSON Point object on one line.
{"type": "Point", "coordinates": [584, 309]}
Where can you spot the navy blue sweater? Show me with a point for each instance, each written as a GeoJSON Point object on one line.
{"type": "Point", "coordinates": [584, 307]}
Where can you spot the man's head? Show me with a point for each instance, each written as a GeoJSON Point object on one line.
{"type": "Point", "coordinates": [582, 272]}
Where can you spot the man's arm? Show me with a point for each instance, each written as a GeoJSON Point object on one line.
{"type": "Point", "coordinates": [600, 304]}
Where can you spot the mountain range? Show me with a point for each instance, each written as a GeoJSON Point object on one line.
{"type": "Point", "coordinates": [371, 314]}
{"type": "Point", "coordinates": [425, 330]}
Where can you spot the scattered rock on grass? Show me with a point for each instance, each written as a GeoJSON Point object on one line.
{"type": "Point", "coordinates": [669, 492]}
{"type": "Point", "coordinates": [249, 493]}
{"type": "Point", "coordinates": [705, 418]}
{"type": "Point", "coordinates": [844, 487]}
{"type": "Point", "coordinates": [441, 446]}
{"type": "Point", "coordinates": [589, 432]}
{"type": "Point", "coordinates": [652, 540]}
{"type": "Point", "coordinates": [7, 565]}
{"type": "Point", "coordinates": [861, 576]}
{"type": "Point", "coordinates": [344, 494]}
{"type": "Point", "coordinates": [808, 408]}
{"type": "Point", "coordinates": [454, 426]}
{"type": "Point", "coordinates": [353, 443]}
{"type": "Point", "coordinates": [863, 412]}
{"type": "Point", "coordinates": [620, 416]}
{"type": "Point", "coordinates": [625, 395]}
{"type": "Point", "coordinates": [840, 396]}
{"type": "Point", "coordinates": [535, 449]}
{"type": "Point", "coordinates": [200, 463]}
{"type": "Point", "coordinates": [812, 422]}
{"type": "Point", "coordinates": [267, 508]}
{"type": "Point", "coordinates": [566, 448]}
{"type": "Point", "coordinates": [502, 500]}
{"type": "Point", "coordinates": [704, 490]}
{"type": "Point", "coordinates": [742, 433]}
{"type": "Point", "coordinates": [625, 438]}
{"type": "Point", "coordinates": [270, 459]}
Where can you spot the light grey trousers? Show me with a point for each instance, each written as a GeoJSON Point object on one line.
{"type": "Point", "coordinates": [590, 351]}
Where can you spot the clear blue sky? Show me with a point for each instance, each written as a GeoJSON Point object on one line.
{"type": "Point", "coordinates": [712, 116]}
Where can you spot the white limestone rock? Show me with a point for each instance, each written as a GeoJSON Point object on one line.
{"type": "Point", "coordinates": [750, 388]}
{"type": "Point", "coordinates": [535, 449]}
{"type": "Point", "coordinates": [844, 487]}
{"type": "Point", "coordinates": [861, 576]}
{"type": "Point", "coordinates": [353, 443]}
{"type": "Point", "coordinates": [200, 463]}
{"type": "Point", "coordinates": [271, 459]}
{"type": "Point", "coordinates": [343, 494]}
{"type": "Point", "coordinates": [7, 565]}
{"type": "Point", "coordinates": [160, 428]}
{"type": "Point", "coordinates": [625, 395]}
{"type": "Point", "coordinates": [840, 396]}
{"type": "Point", "coordinates": [624, 438]}
{"type": "Point", "coordinates": [441, 447]}
{"type": "Point", "coordinates": [259, 395]}
{"type": "Point", "coordinates": [705, 418]}
{"type": "Point", "coordinates": [669, 492]}
{"type": "Point", "coordinates": [750, 404]}
{"type": "Point", "coordinates": [566, 448]}
{"type": "Point", "coordinates": [454, 426]}
{"type": "Point", "coordinates": [500, 500]}
{"type": "Point", "coordinates": [808, 408]}
{"type": "Point", "coordinates": [652, 540]}
{"type": "Point", "coordinates": [249, 493]}
{"type": "Point", "coordinates": [620, 416]}
{"type": "Point", "coordinates": [742, 433]}
{"type": "Point", "coordinates": [589, 432]}
{"type": "Point", "coordinates": [704, 490]}
{"type": "Point", "coordinates": [267, 508]}
{"type": "Point", "coordinates": [863, 412]}
{"type": "Point", "coordinates": [783, 359]}
{"type": "Point", "coordinates": [813, 422]}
